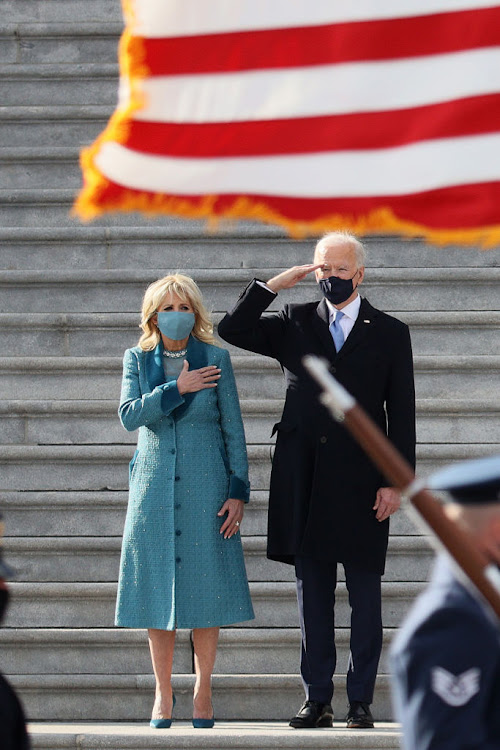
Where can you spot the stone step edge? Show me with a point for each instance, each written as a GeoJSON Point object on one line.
{"type": "Point", "coordinates": [79, 498]}
{"type": "Point", "coordinates": [51, 112]}
{"type": "Point", "coordinates": [258, 589]}
{"type": "Point", "coordinates": [67, 322]}
{"type": "Point", "coordinates": [239, 276]}
{"type": "Point", "coordinates": [58, 29]}
{"type": "Point", "coordinates": [182, 682]}
{"type": "Point", "coordinates": [226, 735]}
{"type": "Point", "coordinates": [249, 407]}
{"type": "Point", "coordinates": [105, 453]}
{"type": "Point", "coordinates": [61, 70]}
{"type": "Point", "coordinates": [118, 636]}
{"type": "Point", "coordinates": [177, 227]}
{"type": "Point", "coordinates": [241, 363]}
{"type": "Point", "coordinates": [83, 453]}
{"type": "Point", "coordinates": [399, 544]}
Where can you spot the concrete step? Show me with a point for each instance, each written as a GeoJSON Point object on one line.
{"type": "Point", "coordinates": [90, 467]}
{"type": "Point", "coordinates": [33, 168]}
{"type": "Point", "coordinates": [51, 207]}
{"type": "Point", "coordinates": [63, 378]}
{"type": "Point", "coordinates": [88, 559]}
{"type": "Point", "coordinates": [123, 651]}
{"type": "Point", "coordinates": [102, 513]}
{"type": "Point", "coordinates": [234, 735]}
{"type": "Point", "coordinates": [249, 697]}
{"type": "Point", "coordinates": [55, 13]}
{"type": "Point", "coordinates": [149, 246]}
{"type": "Point", "coordinates": [52, 126]}
{"type": "Point", "coordinates": [122, 290]}
{"type": "Point", "coordinates": [59, 83]}
{"type": "Point", "coordinates": [92, 605]}
{"type": "Point", "coordinates": [105, 467]}
{"type": "Point", "coordinates": [67, 43]}
{"type": "Point", "coordinates": [109, 334]}
{"type": "Point", "coordinates": [71, 422]}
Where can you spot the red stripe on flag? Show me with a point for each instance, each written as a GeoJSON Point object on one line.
{"type": "Point", "coordinates": [464, 206]}
{"type": "Point", "coordinates": [321, 45]}
{"type": "Point", "coordinates": [368, 130]}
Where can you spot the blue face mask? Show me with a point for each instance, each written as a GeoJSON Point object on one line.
{"type": "Point", "coordinates": [176, 325]}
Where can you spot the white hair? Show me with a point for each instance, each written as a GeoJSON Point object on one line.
{"type": "Point", "coordinates": [347, 238]}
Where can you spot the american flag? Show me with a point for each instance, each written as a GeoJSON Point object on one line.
{"type": "Point", "coordinates": [374, 116]}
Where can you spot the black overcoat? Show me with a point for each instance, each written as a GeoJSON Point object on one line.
{"type": "Point", "coordinates": [323, 486]}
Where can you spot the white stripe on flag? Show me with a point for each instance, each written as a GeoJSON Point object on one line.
{"type": "Point", "coordinates": [396, 171]}
{"type": "Point", "coordinates": [320, 90]}
{"type": "Point", "coordinates": [170, 18]}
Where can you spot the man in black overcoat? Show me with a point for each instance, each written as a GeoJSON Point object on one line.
{"type": "Point", "coordinates": [328, 503]}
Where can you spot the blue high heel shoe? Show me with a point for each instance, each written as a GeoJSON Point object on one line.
{"type": "Point", "coordinates": [163, 723]}
{"type": "Point", "coordinates": [204, 723]}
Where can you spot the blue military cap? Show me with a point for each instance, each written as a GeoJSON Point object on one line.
{"type": "Point", "coordinates": [475, 482]}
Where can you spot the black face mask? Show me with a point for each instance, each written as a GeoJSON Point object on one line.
{"type": "Point", "coordinates": [337, 290]}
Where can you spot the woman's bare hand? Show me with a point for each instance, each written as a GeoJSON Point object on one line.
{"type": "Point", "coordinates": [234, 509]}
{"type": "Point", "coordinates": [190, 381]}
{"type": "Point", "coordinates": [291, 276]}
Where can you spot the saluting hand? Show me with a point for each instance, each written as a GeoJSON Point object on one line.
{"type": "Point", "coordinates": [387, 502]}
{"type": "Point", "coordinates": [291, 276]}
{"type": "Point", "coordinates": [190, 381]}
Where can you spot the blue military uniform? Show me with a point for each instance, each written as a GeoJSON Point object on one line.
{"type": "Point", "coordinates": [445, 660]}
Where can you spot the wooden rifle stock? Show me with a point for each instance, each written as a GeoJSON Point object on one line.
{"type": "Point", "coordinates": [384, 455]}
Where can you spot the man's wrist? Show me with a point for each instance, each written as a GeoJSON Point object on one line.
{"type": "Point", "coordinates": [266, 285]}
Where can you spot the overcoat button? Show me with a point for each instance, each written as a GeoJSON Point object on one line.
{"type": "Point", "coordinates": [178, 532]}
{"type": "Point", "coordinates": [333, 370]}
{"type": "Point", "coordinates": [177, 479]}
{"type": "Point", "coordinates": [323, 439]}
{"type": "Point", "coordinates": [177, 559]}
{"type": "Point", "coordinates": [173, 450]}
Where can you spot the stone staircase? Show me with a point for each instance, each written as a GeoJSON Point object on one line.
{"type": "Point", "coordinates": [69, 301]}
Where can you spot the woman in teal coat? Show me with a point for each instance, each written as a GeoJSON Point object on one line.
{"type": "Point", "coordinates": [182, 562]}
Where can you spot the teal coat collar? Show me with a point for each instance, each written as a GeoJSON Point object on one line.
{"type": "Point", "coordinates": [197, 356]}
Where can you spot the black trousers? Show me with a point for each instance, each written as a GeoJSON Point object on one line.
{"type": "Point", "coordinates": [316, 583]}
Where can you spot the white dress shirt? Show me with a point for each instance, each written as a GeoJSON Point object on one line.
{"type": "Point", "coordinates": [351, 312]}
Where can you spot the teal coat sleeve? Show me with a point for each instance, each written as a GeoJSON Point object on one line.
{"type": "Point", "coordinates": [233, 431]}
{"type": "Point", "coordinates": [137, 409]}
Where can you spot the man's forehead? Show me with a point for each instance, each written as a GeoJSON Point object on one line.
{"type": "Point", "coordinates": [337, 249]}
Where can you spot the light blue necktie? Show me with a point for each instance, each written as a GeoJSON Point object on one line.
{"type": "Point", "coordinates": [337, 332]}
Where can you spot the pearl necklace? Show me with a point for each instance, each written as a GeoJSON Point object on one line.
{"type": "Point", "coordinates": [175, 355]}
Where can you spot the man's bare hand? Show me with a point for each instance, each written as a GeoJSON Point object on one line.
{"type": "Point", "coordinates": [291, 276]}
{"type": "Point", "coordinates": [190, 381]}
{"type": "Point", "coordinates": [387, 502]}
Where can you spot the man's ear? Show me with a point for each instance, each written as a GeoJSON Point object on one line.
{"type": "Point", "coordinates": [361, 274]}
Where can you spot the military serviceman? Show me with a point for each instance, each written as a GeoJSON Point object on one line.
{"type": "Point", "coordinates": [446, 658]}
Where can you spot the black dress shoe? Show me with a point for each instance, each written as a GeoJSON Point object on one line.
{"type": "Point", "coordinates": [313, 714]}
{"type": "Point", "coordinates": [359, 716]}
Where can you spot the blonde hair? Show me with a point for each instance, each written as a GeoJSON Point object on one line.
{"type": "Point", "coordinates": [188, 291]}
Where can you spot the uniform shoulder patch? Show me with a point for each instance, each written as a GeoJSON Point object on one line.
{"type": "Point", "coordinates": [455, 690]}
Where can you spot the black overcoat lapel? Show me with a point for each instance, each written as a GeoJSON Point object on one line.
{"type": "Point", "coordinates": [320, 323]}
{"type": "Point", "coordinates": [364, 322]}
